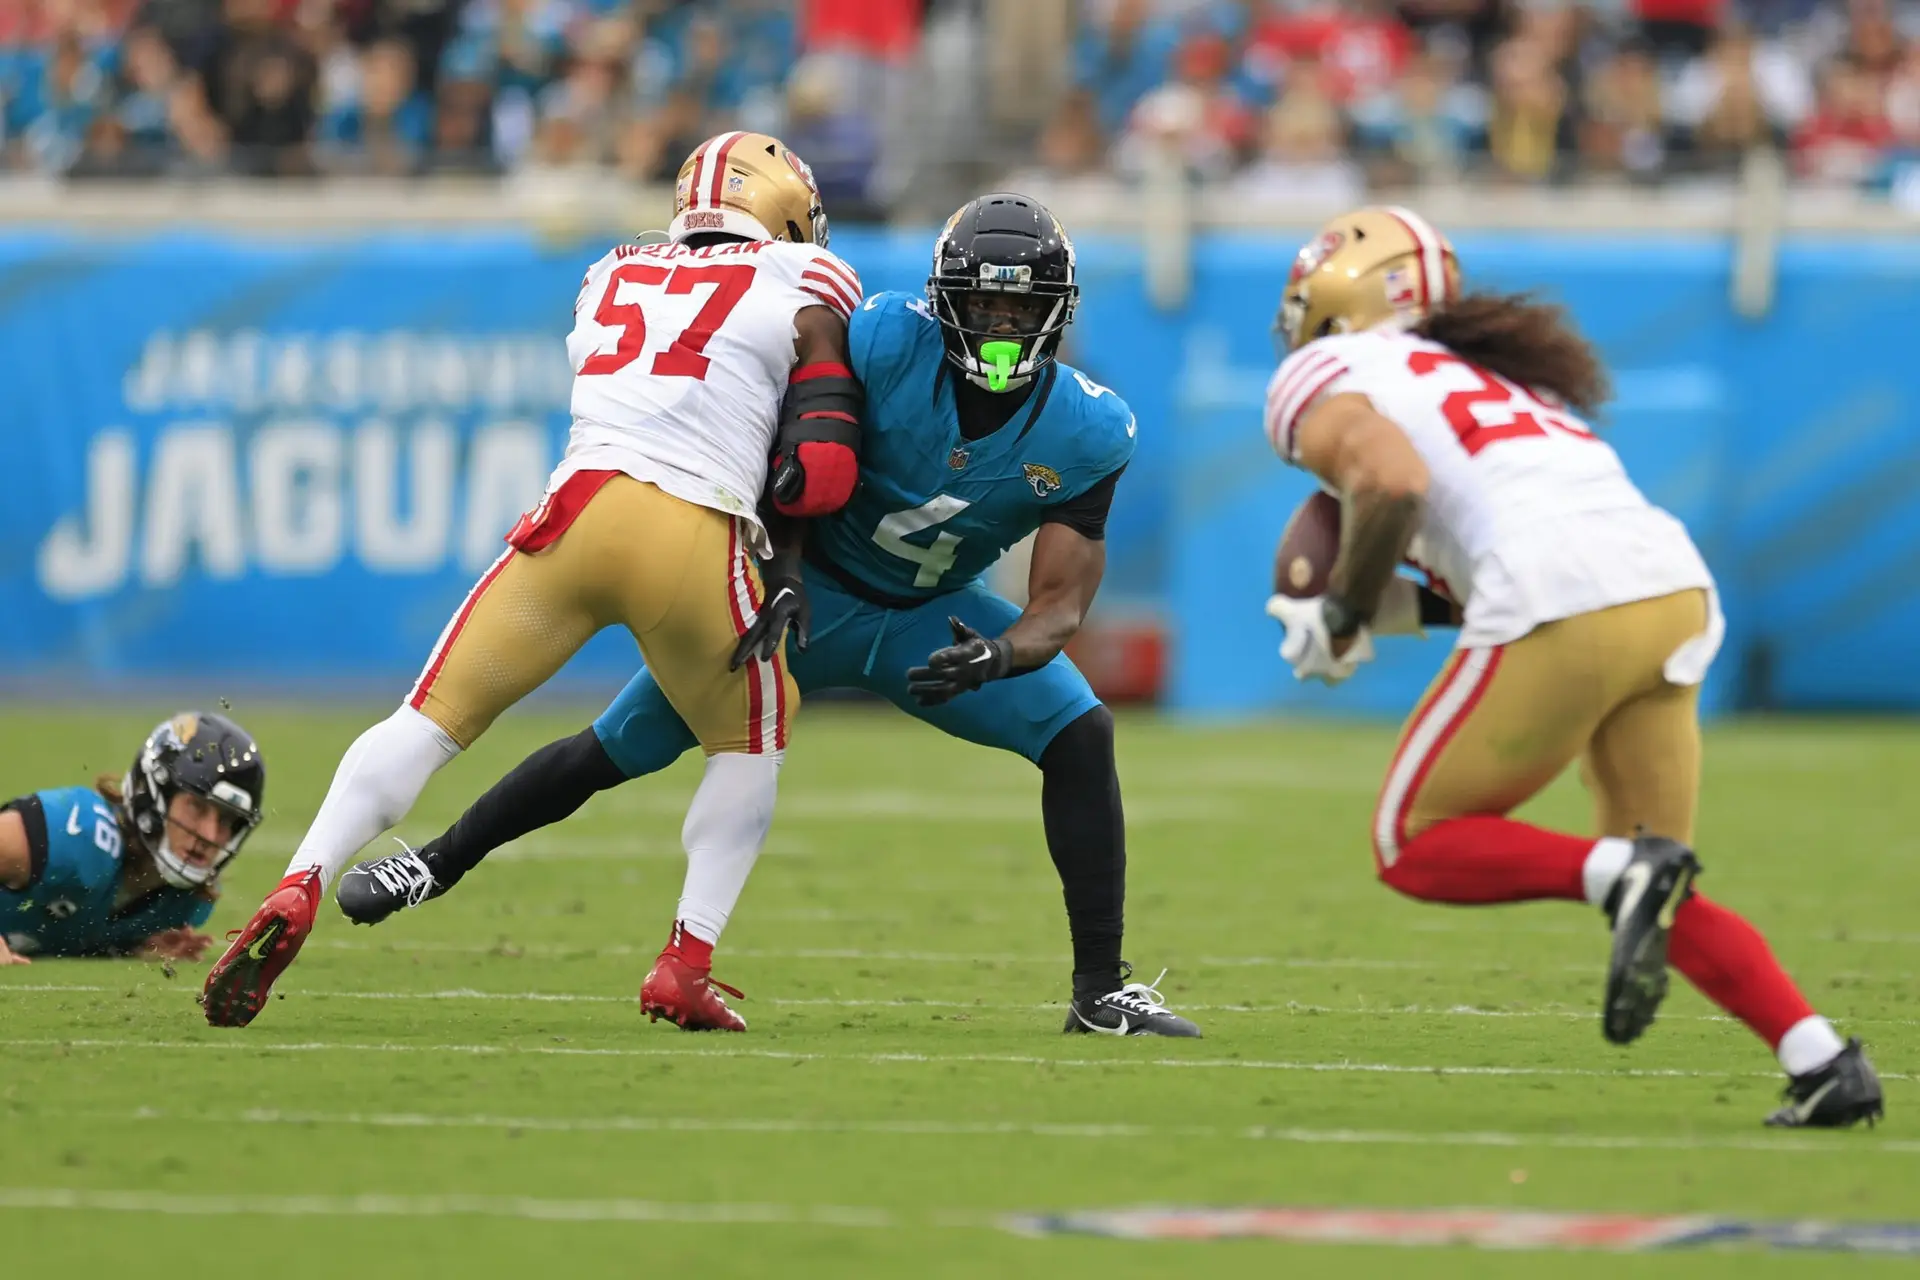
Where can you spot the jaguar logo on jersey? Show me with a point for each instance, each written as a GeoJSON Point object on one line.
{"type": "Point", "coordinates": [957, 460]}
{"type": "Point", "coordinates": [1044, 480]}
{"type": "Point", "coordinates": [1314, 254]}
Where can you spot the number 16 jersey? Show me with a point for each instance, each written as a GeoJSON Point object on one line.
{"type": "Point", "coordinates": [680, 359]}
{"type": "Point", "coordinates": [1529, 516]}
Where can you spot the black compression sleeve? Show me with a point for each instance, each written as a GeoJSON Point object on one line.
{"type": "Point", "coordinates": [34, 815]}
{"type": "Point", "coordinates": [1436, 610]}
{"type": "Point", "coordinates": [547, 786]}
{"type": "Point", "coordinates": [1087, 836]}
{"type": "Point", "coordinates": [1086, 513]}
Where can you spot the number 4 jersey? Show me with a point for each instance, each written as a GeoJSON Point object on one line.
{"type": "Point", "coordinates": [933, 510]}
{"type": "Point", "coordinates": [1530, 517]}
{"type": "Point", "coordinates": [680, 360]}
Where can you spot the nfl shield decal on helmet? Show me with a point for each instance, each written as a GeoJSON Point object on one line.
{"type": "Point", "coordinates": [1044, 480]}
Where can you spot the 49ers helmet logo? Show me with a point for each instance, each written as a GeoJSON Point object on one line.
{"type": "Point", "coordinates": [1314, 254]}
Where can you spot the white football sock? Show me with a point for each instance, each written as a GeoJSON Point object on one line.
{"type": "Point", "coordinates": [726, 827]}
{"type": "Point", "coordinates": [1809, 1045]}
{"type": "Point", "coordinates": [379, 778]}
{"type": "Point", "coordinates": [1603, 867]}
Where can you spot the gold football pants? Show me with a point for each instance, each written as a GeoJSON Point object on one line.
{"type": "Point", "coordinates": [1500, 723]}
{"type": "Point", "coordinates": [605, 549]}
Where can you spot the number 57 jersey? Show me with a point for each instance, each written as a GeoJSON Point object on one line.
{"type": "Point", "coordinates": [680, 360]}
{"type": "Point", "coordinates": [1530, 516]}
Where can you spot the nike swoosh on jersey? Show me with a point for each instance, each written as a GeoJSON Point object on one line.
{"type": "Point", "coordinates": [73, 821]}
{"type": "Point", "coordinates": [1133, 425]}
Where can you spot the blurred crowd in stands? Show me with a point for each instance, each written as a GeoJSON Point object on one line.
{"type": "Point", "coordinates": [1319, 99]}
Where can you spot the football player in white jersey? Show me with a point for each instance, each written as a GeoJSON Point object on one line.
{"type": "Point", "coordinates": [1451, 427]}
{"type": "Point", "coordinates": [694, 361]}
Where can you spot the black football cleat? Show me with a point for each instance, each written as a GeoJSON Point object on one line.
{"type": "Point", "coordinates": [1840, 1094]}
{"type": "Point", "coordinates": [1656, 881]}
{"type": "Point", "coordinates": [1136, 1009]}
{"type": "Point", "coordinates": [375, 889]}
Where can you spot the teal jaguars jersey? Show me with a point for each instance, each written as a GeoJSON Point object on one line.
{"type": "Point", "coordinates": [934, 511]}
{"type": "Point", "coordinates": [71, 906]}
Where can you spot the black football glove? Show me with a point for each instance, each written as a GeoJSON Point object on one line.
{"type": "Point", "coordinates": [969, 662]}
{"type": "Point", "coordinates": [786, 605]}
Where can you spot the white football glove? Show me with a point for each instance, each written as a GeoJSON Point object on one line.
{"type": "Point", "coordinates": [1308, 649]}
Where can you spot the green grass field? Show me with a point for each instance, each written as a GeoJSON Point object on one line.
{"type": "Point", "coordinates": [470, 1089]}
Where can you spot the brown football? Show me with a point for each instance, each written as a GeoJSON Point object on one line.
{"type": "Point", "coordinates": [1308, 546]}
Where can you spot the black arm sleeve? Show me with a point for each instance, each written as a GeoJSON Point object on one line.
{"type": "Point", "coordinates": [35, 817]}
{"type": "Point", "coordinates": [1436, 610]}
{"type": "Point", "coordinates": [1086, 514]}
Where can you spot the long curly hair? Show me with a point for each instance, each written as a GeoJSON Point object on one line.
{"type": "Point", "coordinates": [1524, 341]}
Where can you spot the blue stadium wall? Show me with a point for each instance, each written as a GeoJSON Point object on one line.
{"type": "Point", "coordinates": [282, 462]}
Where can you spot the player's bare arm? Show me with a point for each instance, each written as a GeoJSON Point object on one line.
{"type": "Point", "coordinates": [1069, 559]}
{"type": "Point", "coordinates": [1061, 584]}
{"type": "Point", "coordinates": [16, 858]}
{"type": "Point", "coordinates": [1368, 458]}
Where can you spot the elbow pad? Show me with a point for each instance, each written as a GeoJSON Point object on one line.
{"type": "Point", "coordinates": [816, 458]}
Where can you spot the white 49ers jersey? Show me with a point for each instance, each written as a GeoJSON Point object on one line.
{"type": "Point", "coordinates": [1529, 517]}
{"type": "Point", "coordinates": [680, 359]}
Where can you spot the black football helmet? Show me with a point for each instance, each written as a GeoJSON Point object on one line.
{"type": "Point", "coordinates": [215, 759]}
{"type": "Point", "coordinates": [1003, 289]}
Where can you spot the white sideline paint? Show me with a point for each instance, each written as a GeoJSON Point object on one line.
{"type": "Point", "coordinates": [384, 1206]}
{"type": "Point", "coordinates": [247, 1044]}
{"type": "Point", "coordinates": [993, 1128]}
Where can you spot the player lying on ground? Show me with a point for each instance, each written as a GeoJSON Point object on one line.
{"type": "Point", "coordinates": [131, 867]}
{"type": "Point", "coordinates": [1448, 425]}
{"type": "Point", "coordinates": [683, 353]}
{"type": "Point", "coordinates": [974, 437]}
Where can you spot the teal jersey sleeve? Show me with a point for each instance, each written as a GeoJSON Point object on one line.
{"type": "Point", "coordinates": [884, 337]}
{"type": "Point", "coordinates": [72, 907]}
{"type": "Point", "coordinates": [1092, 429]}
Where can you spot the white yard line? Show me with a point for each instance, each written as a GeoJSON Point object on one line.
{"type": "Point", "coordinates": [245, 1043]}
{"type": "Point", "coordinates": [1290, 1007]}
{"type": "Point", "coordinates": [386, 1206]}
{"type": "Point", "coordinates": [992, 1128]}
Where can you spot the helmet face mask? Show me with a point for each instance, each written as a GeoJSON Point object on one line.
{"type": "Point", "coordinates": [208, 757]}
{"type": "Point", "coordinates": [1003, 289]}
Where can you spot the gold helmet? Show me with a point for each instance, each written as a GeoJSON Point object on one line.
{"type": "Point", "coordinates": [747, 184]}
{"type": "Point", "coordinates": [1373, 266]}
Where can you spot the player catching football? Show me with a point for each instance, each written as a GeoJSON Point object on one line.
{"type": "Point", "coordinates": [1450, 426]}
{"type": "Point", "coordinates": [683, 354]}
{"type": "Point", "coordinates": [975, 436]}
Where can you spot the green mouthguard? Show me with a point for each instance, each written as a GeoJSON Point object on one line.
{"type": "Point", "coordinates": [1003, 356]}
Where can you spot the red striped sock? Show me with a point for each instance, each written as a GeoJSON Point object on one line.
{"type": "Point", "coordinates": [1487, 859]}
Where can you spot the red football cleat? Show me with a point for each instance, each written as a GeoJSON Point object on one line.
{"type": "Point", "coordinates": [685, 996]}
{"type": "Point", "coordinates": [237, 986]}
